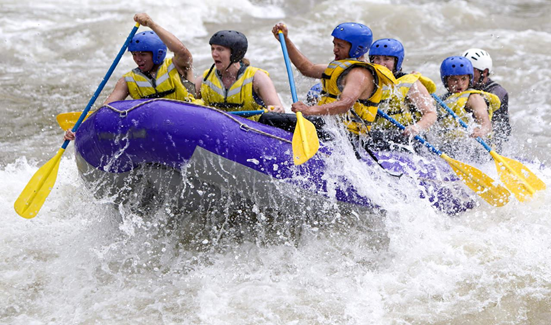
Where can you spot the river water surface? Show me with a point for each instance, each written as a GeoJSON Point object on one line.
{"type": "Point", "coordinates": [85, 261]}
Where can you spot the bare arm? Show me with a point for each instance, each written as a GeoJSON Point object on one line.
{"type": "Point", "coordinates": [420, 97]}
{"type": "Point", "coordinates": [119, 93]}
{"type": "Point", "coordinates": [265, 88]}
{"type": "Point", "coordinates": [301, 62]}
{"type": "Point", "coordinates": [480, 111]}
{"type": "Point", "coordinates": [357, 84]}
{"type": "Point", "coordinates": [198, 83]}
{"type": "Point", "coordinates": [183, 59]}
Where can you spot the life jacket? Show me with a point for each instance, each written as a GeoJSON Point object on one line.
{"type": "Point", "coordinates": [456, 102]}
{"type": "Point", "coordinates": [240, 96]}
{"type": "Point", "coordinates": [394, 101]}
{"type": "Point", "coordinates": [166, 84]}
{"type": "Point", "coordinates": [359, 118]}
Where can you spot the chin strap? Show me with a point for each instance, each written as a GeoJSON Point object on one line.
{"type": "Point", "coordinates": [480, 80]}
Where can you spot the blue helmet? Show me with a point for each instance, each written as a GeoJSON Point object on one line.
{"type": "Point", "coordinates": [389, 47]}
{"type": "Point", "coordinates": [358, 35]}
{"type": "Point", "coordinates": [456, 66]}
{"type": "Point", "coordinates": [314, 94]}
{"type": "Point", "coordinates": [149, 42]}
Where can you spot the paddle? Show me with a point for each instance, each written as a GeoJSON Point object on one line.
{"type": "Point", "coordinates": [480, 183]}
{"type": "Point", "coordinates": [516, 177]}
{"type": "Point", "coordinates": [248, 113]}
{"type": "Point", "coordinates": [305, 137]}
{"type": "Point", "coordinates": [69, 119]}
{"type": "Point", "coordinates": [39, 187]}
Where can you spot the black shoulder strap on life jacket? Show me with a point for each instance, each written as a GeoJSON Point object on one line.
{"type": "Point", "coordinates": [227, 105]}
{"type": "Point", "coordinates": [160, 95]}
{"type": "Point", "coordinates": [210, 71]}
{"type": "Point", "coordinates": [367, 102]}
{"type": "Point", "coordinates": [399, 74]}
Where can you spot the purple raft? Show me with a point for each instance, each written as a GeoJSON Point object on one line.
{"type": "Point", "coordinates": [189, 153]}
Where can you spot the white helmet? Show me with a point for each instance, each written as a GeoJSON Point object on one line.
{"type": "Point", "coordinates": [480, 59]}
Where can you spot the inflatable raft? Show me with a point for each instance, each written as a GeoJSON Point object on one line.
{"type": "Point", "coordinates": [190, 153]}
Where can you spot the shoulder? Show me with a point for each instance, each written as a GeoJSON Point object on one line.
{"type": "Point", "coordinates": [420, 88]}
{"type": "Point", "coordinates": [131, 72]}
{"type": "Point", "coordinates": [360, 71]}
{"type": "Point", "coordinates": [168, 61]}
{"type": "Point", "coordinates": [260, 77]}
{"type": "Point", "coordinates": [361, 68]}
{"type": "Point", "coordinates": [495, 88]}
{"type": "Point", "coordinates": [206, 72]}
{"type": "Point", "coordinates": [260, 73]}
{"type": "Point", "coordinates": [476, 98]}
{"type": "Point", "coordinates": [253, 70]}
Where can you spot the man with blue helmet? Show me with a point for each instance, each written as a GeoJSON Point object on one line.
{"type": "Point", "coordinates": [156, 76]}
{"type": "Point", "coordinates": [351, 87]}
{"type": "Point", "coordinates": [469, 104]}
{"type": "Point", "coordinates": [409, 102]}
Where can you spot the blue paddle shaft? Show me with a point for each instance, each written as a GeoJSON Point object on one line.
{"type": "Point", "coordinates": [418, 138]}
{"type": "Point", "coordinates": [288, 65]}
{"type": "Point", "coordinates": [442, 104]}
{"type": "Point", "coordinates": [103, 82]}
{"type": "Point", "coordinates": [247, 113]}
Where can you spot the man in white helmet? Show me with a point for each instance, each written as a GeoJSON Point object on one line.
{"type": "Point", "coordinates": [482, 64]}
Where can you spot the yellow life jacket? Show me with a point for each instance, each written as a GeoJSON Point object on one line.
{"type": "Point", "coordinates": [238, 98]}
{"type": "Point", "coordinates": [359, 118]}
{"type": "Point", "coordinates": [167, 83]}
{"type": "Point", "coordinates": [394, 101]}
{"type": "Point", "coordinates": [456, 102]}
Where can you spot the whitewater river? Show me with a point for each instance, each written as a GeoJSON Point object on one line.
{"type": "Point", "coordinates": [84, 261]}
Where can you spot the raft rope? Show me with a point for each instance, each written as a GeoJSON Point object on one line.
{"type": "Point", "coordinates": [242, 126]}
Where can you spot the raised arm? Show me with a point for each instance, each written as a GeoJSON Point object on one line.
{"type": "Point", "coordinates": [301, 62]}
{"type": "Point", "coordinates": [183, 59]}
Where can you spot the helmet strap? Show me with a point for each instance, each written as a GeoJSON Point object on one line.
{"type": "Point", "coordinates": [480, 80]}
{"type": "Point", "coordinates": [229, 65]}
{"type": "Point", "coordinates": [154, 68]}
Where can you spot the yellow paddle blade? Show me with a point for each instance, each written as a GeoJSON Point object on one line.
{"type": "Point", "coordinates": [305, 140]}
{"type": "Point", "coordinates": [480, 183]}
{"type": "Point", "coordinates": [517, 177]}
{"type": "Point", "coordinates": [67, 120]}
{"type": "Point", "coordinates": [39, 187]}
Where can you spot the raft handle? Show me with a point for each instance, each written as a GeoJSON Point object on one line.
{"type": "Point", "coordinates": [244, 127]}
